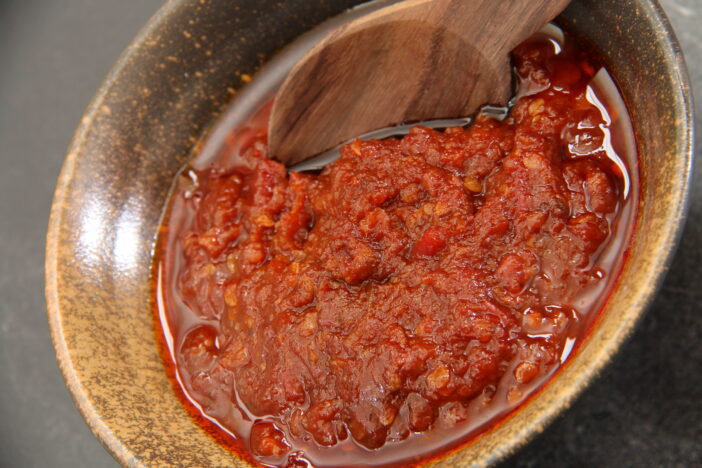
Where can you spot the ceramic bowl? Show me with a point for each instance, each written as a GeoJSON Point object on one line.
{"type": "Point", "coordinates": [169, 86]}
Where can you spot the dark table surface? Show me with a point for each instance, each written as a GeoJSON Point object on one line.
{"type": "Point", "coordinates": [645, 410]}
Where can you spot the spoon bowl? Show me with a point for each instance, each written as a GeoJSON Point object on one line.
{"type": "Point", "coordinates": [411, 61]}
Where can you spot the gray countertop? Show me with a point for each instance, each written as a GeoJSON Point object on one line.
{"type": "Point", "coordinates": [645, 410]}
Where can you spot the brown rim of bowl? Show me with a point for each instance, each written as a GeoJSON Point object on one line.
{"type": "Point", "coordinates": [554, 400]}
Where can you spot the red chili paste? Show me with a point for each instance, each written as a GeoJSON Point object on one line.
{"type": "Point", "coordinates": [415, 289]}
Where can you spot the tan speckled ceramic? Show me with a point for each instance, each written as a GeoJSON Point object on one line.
{"type": "Point", "coordinates": [168, 86]}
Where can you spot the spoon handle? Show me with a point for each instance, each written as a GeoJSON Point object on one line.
{"type": "Point", "coordinates": [480, 20]}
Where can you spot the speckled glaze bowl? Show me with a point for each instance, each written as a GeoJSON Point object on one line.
{"type": "Point", "coordinates": [169, 86]}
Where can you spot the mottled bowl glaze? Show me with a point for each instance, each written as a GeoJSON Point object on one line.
{"type": "Point", "coordinates": [170, 84]}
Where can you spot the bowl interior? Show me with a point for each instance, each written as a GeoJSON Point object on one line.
{"type": "Point", "coordinates": [170, 85]}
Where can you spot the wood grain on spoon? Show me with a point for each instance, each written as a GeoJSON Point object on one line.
{"type": "Point", "coordinates": [411, 61]}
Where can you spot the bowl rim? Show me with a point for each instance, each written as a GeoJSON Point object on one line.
{"type": "Point", "coordinates": [112, 444]}
{"type": "Point", "coordinates": [122, 452]}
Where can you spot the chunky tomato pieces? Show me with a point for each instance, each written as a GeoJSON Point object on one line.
{"type": "Point", "coordinates": [412, 277]}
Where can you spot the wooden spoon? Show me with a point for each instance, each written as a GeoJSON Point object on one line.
{"type": "Point", "coordinates": [411, 61]}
